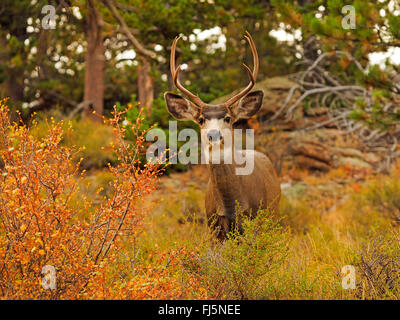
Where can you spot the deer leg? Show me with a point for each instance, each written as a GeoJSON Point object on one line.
{"type": "Point", "coordinates": [220, 224]}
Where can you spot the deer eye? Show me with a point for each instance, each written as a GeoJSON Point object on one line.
{"type": "Point", "coordinates": [201, 121]}
{"type": "Point", "coordinates": [227, 119]}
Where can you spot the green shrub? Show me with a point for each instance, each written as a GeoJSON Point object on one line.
{"type": "Point", "coordinates": [160, 118]}
{"type": "Point", "coordinates": [88, 136]}
{"type": "Point", "coordinates": [240, 267]}
{"type": "Point", "coordinates": [91, 137]}
{"type": "Point", "coordinates": [297, 214]}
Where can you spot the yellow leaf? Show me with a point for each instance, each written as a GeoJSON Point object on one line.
{"type": "Point", "coordinates": [23, 228]}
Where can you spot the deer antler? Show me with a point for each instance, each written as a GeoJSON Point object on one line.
{"type": "Point", "coordinates": [195, 99]}
{"type": "Point", "coordinates": [252, 75]}
{"type": "Point", "coordinates": [175, 71]}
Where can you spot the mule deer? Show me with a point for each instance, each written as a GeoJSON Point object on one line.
{"type": "Point", "coordinates": [225, 186]}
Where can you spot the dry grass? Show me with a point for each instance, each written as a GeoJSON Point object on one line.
{"type": "Point", "coordinates": [327, 225]}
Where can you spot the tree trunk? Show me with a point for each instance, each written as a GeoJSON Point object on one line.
{"type": "Point", "coordinates": [13, 86]}
{"type": "Point", "coordinates": [94, 64]}
{"type": "Point", "coordinates": [41, 56]}
{"type": "Point", "coordinates": [145, 85]}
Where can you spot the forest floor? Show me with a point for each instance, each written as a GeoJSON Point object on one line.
{"type": "Point", "coordinates": [336, 236]}
{"type": "Point", "coordinates": [344, 216]}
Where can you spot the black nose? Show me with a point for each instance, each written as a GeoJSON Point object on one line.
{"type": "Point", "coordinates": [214, 135]}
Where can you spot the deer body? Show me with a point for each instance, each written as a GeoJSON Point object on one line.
{"type": "Point", "coordinates": [226, 189]}
{"type": "Point", "coordinates": [259, 188]}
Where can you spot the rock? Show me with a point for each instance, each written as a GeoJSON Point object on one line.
{"type": "Point", "coordinates": [371, 158]}
{"type": "Point", "coordinates": [353, 162]}
{"type": "Point", "coordinates": [360, 160]}
{"type": "Point", "coordinates": [311, 154]}
{"type": "Point", "coordinates": [311, 163]}
{"type": "Point", "coordinates": [312, 149]}
{"type": "Point", "coordinates": [285, 185]}
{"type": "Point", "coordinates": [296, 190]}
{"type": "Point", "coordinates": [348, 152]}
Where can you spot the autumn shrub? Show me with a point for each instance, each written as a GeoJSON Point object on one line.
{"type": "Point", "coordinates": [42, 225]}
{"type": "Point", "coordinates": [163, 277]}
{"type": "Point", "coordinates": [240, 267]}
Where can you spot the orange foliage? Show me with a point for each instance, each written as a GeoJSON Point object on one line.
{"type": "Point", "coordinates": [162, 279]}
{"type": "Point", "coordinates": [46, 220]}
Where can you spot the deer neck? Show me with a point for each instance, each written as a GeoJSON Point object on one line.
{"type": "Point", "coordinates": [226, 184]}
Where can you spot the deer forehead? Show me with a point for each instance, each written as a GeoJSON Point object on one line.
{"type": "Point", "coordinates": [214, 112]}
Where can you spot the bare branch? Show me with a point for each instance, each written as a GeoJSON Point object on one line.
{"type": "Point", "coordinates": [139, 48]}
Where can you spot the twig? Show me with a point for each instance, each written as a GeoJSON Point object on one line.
{"type": "Point", "coordinates": [139, 48]}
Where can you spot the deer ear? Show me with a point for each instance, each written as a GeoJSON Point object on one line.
{"type": "Point", "coordinates": [179, 107]}
{"type": "Point", "coordinates": [249, 105]}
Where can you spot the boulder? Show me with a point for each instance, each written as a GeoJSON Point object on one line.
{"type": "Point", "coordinates": [348, 152]}
{"type": "Point", "coordinates": [312, 149]}
{"type": "Point", "coordinates": [311, 163]}
{"type": "Point", "coordinates": [296, 190]}
{"type": "Point", "coordinates": [353, 162]}
{"type": "Point", "coordinates": [355, 158]}
{"type": "Point", "coordinates": [310, 154]}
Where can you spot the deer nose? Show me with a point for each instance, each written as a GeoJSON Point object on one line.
{"type": "Point", "coordinates": [214, 135]}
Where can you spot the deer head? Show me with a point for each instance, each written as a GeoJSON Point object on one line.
{"type": "Point", "coordinates": [215, 121]}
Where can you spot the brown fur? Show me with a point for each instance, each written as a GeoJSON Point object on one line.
{"type": "Point", "coordinates": [225, 189]}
